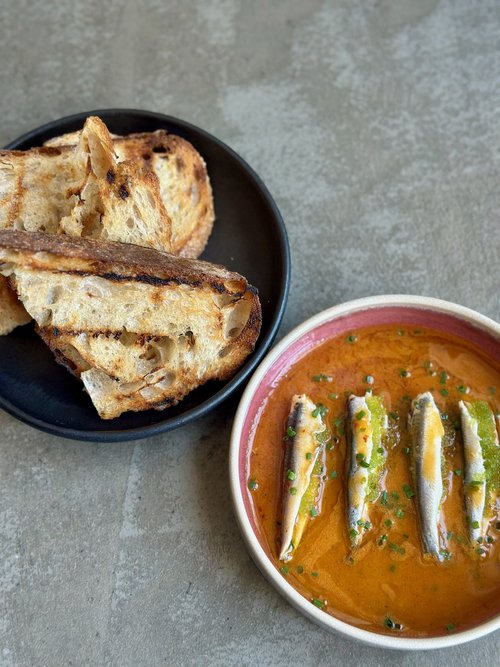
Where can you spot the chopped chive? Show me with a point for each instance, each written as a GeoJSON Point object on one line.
{"type": "Point", "coordinates": [353, 533]}
{"type": "Point", "coordinates": [313, 512]}
{"type": "Point", "coordinates": [359, 415]}
{"type": "Point", "coordinates": [383, 498]}
{"type": "Point", "coordinates": [314, 574]}
{"type": "Point", "coordinates": [388, 523]}
{"type": "Point", "coordinates": [475, 524]}
{"type": "Point", "coordinates": [253, 484]}
{"type": "Point", "coordinates": [333, 474]}
{"type": "Point", "coordinates": [285, 569]}
{"type": "Point", "coordinates": [399, 513]}
{"type": "Point", "coordinates": [463, 389]}
{"type": "Point", "coordinates": [404, 373]}
{"type": "Point", "coordinates": [479, 540]}
{"type": "Point", "coordinates": [318, 603]}
{"type": "Point", "coordinates": [369, 379]}
{"type": "Point", "coordinates": [406, 398]}
{"type": "Point", "coordinates": [489, 539]}
{"type": "Point", "coordinates": [300, 569]}
{"type": "Point", "coordinates": [291, 433]}
{"type": "Point", "coordinates": [333, 396]}
{"type": "Point", "coordinates": [406, 450]}
{"type": "Point", "coordinates": [457, 472]}
{"type": "Point", "coordinates": [367, 525]}
{"type": "Point", "coordinates": [394, 416]}
{"type": "Point", "coordinates": [382, 539]}
{"type": "Point", "coordinates": [360, 522]}
{"type": "Point", "coordinates": [291, 475]}
{"type": "Point", "coordinates": [364, 464]}
{"type": "Point", "coordinates": [444, 392]}
{"type": "Point", "coordinates": [339, 425]}
{"type": "Point", "coordinates": [392, 567]}
{"type": "Point", "coordinates": [309, 456]}
{"type": "Point", "coordinates": [395, 495]}
{"type": "Point", "coordinates": [293, 491]}
{"type": "Point", "coordinates": [480, 551]}
{"type": "Point", "coordinates": [351, 338]}
{"type": "Point", "coordinates": [408, 491]}
{"type": "Point", "coordinates": [320, 410]}
{"type": "Point", "coordinates": [380, 450]}
{"type": "Point", "coordinates": [450, 627]}
{"type": "Point", "coordinates": [476, 482]}
{"type": "Point", "coordinates": [389, 623]}
{"type": "Point", "coordinates": [321, 377]}
{"type": "Point", "coordinates": [443, 377]}
{"type": "Point", "coordinates": [445, 554]}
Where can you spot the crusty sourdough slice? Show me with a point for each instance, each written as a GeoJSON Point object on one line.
{"type": "Point", "coordinates": [119, 201]}
{"type": "Point", "coordinates": [184, 183]}
{"type": "Point", "coordinates": [141, 328]}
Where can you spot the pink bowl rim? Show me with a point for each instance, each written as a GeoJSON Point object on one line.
{"type": "Point", "coordinates": [258, 554]}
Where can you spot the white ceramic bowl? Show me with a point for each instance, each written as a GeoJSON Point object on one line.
{"type": "Point", "coordinates": [400, 309]}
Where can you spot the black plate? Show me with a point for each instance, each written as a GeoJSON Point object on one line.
{"type": "Point", "coordinates": [249, 237]}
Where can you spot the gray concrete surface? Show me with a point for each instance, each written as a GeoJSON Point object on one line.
{"type": "Point", "coordinates": [376, 126]}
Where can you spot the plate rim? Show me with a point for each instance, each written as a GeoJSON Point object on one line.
{"type": "Point", "coordinates": [140, 432]}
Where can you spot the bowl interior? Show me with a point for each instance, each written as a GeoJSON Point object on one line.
{"type": "Point", "coordinates": [290, 350]}
{"type": "Point", "coordinates": [248, 237]}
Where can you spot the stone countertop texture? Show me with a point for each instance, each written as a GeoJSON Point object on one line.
{"type": "Point", "coordinates": [376, 126]}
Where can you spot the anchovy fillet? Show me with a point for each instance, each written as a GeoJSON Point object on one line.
{"type": "Point", "coordinates": [479, 436]}
{"type": "Point", "coordinates": [306, 437]}
{"type": "Point", "coordinates": [427, 434]}
{"type": "Point", "coordinates": [367, 423]}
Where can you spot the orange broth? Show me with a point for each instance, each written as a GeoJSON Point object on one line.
{"type": "Point", "coordinates": [385, 580]}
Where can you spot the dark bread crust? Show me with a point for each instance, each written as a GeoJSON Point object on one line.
{"type": "Point", "coordinates": [119, 261]}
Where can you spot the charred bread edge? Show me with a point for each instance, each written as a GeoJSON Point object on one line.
{"type": "Point", "coordinates": [123, 261]}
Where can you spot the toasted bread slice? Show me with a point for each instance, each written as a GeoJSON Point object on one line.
{"type": "Point", "coordinates": [119, 201]}
{"type": "Point", "coordinates": [140, 327]}
{"type": "Point", "coordinates": [184, 183]}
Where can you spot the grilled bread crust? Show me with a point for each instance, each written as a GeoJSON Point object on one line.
{"type": "Point", "coordinates": [141, 328]}
{"type": "Point", "coordinates": [184, 183]}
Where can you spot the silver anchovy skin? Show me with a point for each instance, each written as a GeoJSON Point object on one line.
{"type": "Point", "coordinates": [475, 497]}
{"type": "Point", "coordinates": [299, 466]}
{"type": "Point", "coordinates": [360, 445]}
{"type": "Point", "coordinates": [427, 434]}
